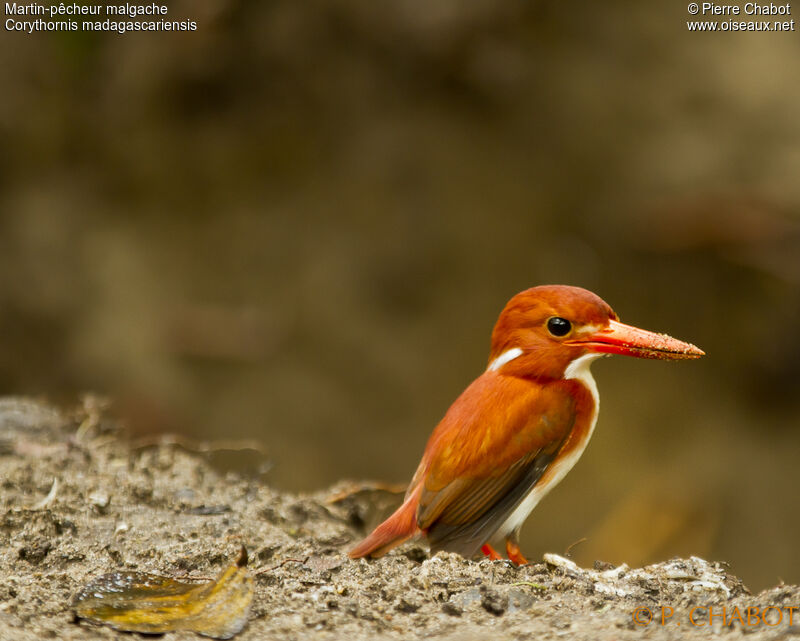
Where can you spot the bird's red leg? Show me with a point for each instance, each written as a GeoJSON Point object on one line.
{"type": "Point", "coordinates": [489, 551]}
{"type": "Point", "coordinates": [514, 553]}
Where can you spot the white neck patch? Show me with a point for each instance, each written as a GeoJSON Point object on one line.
{"type": "Point", "coordinates": [505, 357]}
{"type": "Point", "coordinates": [579, 370]}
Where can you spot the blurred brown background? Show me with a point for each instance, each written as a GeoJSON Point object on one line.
{"type": "Point", "coordinates": [299, 223]}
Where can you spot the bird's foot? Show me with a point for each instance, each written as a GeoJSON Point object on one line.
{"type": "Point", "coordinates": [489, 551]}
{"type": "Point", "coordinates": [515, 554]}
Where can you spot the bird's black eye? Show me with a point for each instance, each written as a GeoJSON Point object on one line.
{"type": "Point", "coordinates": [558, 326]}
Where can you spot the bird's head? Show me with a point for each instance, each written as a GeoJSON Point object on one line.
{"type": "Point", "coordinates": [544, 329]}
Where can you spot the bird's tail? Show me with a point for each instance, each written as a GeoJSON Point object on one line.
{"type": "Point", "coordinates": [399, 527]}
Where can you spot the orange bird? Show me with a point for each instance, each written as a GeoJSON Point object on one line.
{"type": "Point", "coordinates": [517, 430]}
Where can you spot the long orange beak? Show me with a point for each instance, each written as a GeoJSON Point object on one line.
{"type": "Point", "coordinates": [619, 338]}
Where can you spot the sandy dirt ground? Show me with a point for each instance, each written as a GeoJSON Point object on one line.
{"type": "Point", "coordinates": [79, 500]}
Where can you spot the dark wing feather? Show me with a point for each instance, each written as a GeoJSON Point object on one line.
{"type": "Point", "coordinates": [465, 526]}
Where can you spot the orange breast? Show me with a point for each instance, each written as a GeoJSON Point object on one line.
{"type": "Point", "coordinates": [498, 421]}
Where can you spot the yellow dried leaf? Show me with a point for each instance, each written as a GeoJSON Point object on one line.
{"type": "Point", "coordinates": [141, 602]}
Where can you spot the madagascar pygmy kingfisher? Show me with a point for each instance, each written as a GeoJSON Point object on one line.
{"type": "Point", "coordinates": [517, 430]}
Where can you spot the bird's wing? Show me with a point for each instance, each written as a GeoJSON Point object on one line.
{"type": "Point", "coordinates": [473, 522]}
{"type": "Point", "coordinates": [490, 450]}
